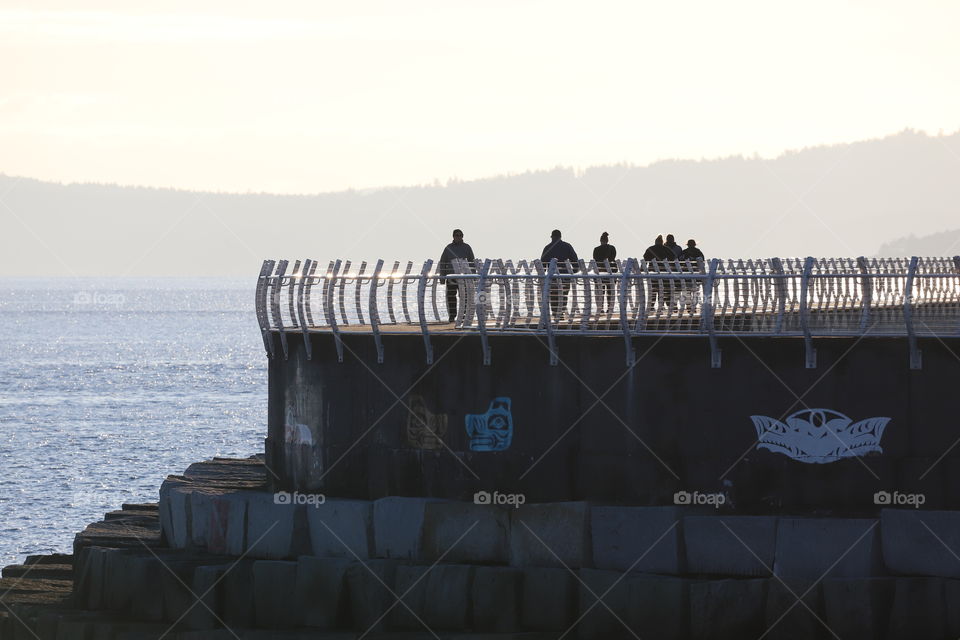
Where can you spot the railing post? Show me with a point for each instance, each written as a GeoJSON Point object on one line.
{"type": "Point", "coordinates": [301, 311]}
{"type": "Point", "coordinates": [866, 293]}
{"type": "Point", "coordinates": [481, 306]}
{"type": "Point", "coordinates": [275, 305]}
{"type": "Point", "coordinates": [916, 361]}
{"type": "Point", "coordinates": [374, 312]}
{"type": "Point", "coordinates": [291, 294]}
{"type": "Point", "coordinates": [421, 308]}
{"type": "Point", "coordinates": [263, 317]}
{"type": "Point", "coordinates": [545, 319]}
{"type": "Point", "coordinates": [403, 293]}
{"type": "Point", "coordinates": [624, 320]}
{"type": "Point", "coordinates": [308, 311]}
{"type": "Point", "coordinates": [706, 316]}
{"type": "Point", "coordinates": [391, 281]}
{"type": "Point", "coordinates": [587, 297]}
{"type": "Point", "coordinates": [780, 286]}
{"type": "Point", "coordinates": [809, 351]}
{"type": "Point", "coordinates": [330, 311]}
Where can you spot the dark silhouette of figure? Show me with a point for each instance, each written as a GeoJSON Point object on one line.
{"type": "Point", "coordinates": [690, 262]}
{"type": "Point", "coordinates": [659, 258]}
{"type": "Point", "coordinates": [560, 287]}
{"type": "Point", "coordinates": [456, 250]}
{"type": "Point", "coordinates": [673, 246]}
{"type": "Point", "coordinates": [605, 255]}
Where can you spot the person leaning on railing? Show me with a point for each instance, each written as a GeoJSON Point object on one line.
{"type": "Point", "coordinates": [659, 257]}
{"type": "Point", "coordinates": [690, 260]}
{"type": "Point", "coordinates": [456, 250]}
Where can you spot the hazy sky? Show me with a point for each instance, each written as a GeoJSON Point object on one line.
{"type": "Point", "coordinates": [317, 96]}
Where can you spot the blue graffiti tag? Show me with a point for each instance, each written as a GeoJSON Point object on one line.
{"type": "Point", "coordinates": [493, 430]}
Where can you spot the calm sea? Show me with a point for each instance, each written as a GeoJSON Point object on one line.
{"type": "Point", "coordinates": [107, 386]}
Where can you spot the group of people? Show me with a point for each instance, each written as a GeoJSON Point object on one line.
{"type": "Point", "coordinates": [664, 255]}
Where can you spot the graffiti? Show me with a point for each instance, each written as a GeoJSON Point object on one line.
{"type": "Point", "coordinates": [493, 430]}
{"type": "Point", "coordinates": [425, 429]}
{"type": "Point", "coordinates": [819, 435]}
{"type": "Point", "coordinates": [295, 431]}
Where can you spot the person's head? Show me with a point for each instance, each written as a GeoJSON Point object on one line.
{"type": "Point", "coordinates": [670, 239]}
{"type": "Point", "coordinates": [555, 234]}
{"type": "Point", "coordinates": [658, 241]}
{"type": "Point", "coordinates": [604, 238]}
{"type": "Point", "coordinates": [691, 243]}
{"type": "Point", "coordinates": [457, 236]}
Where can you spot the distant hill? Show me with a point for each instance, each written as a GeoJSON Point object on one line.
{"type": "Point", "coordinates": [847, 199]}
{"type": "Point", "coordinates": [945, 243]}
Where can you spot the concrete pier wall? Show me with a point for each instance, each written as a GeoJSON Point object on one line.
{"type": "Point", "coordinates": [591, 428]}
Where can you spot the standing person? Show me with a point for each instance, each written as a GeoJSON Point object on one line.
{"type": "Point", "coordinates": [673, 246]}
{"type": "Point", "coordinates": [605, 255]}
{"type": "Point", "coordinates": [658, 257]}
{"type": "Point", "coordinates": [456, 250]}
{"type": "Point", "coordinates": [562, 252]}
{"type": "Point", "coordinates": [690, 261]}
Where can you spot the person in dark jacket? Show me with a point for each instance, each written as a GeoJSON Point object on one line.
{"type": "Point", "coordinates": [690, 261]}
{"type": "Point", "coordinates": [456, 250]}
{"type": "Point", "coordinates": [605, 256]}
{"type": "Point", "coordinates": [659, 258]}
{"type": "Point", "coordinates": [563, 253]}
{"type": "Point", "coordinates": [673, 246]}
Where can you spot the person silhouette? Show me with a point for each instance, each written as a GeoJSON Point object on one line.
{"type": "Point", "coordinates": [562, 252]}
{"type": "Point", "coordinates": [659, 257]}
{"type": "Point", "coordinates": [605, 256]}
{"type": "Point", "coordinates": [456, 250]}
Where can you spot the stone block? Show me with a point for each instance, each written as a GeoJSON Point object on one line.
{"type": "Point", "coordinates": [921, 543]}
{"type": "Point", "coordinates": [370, 589]}
{"type": "Point", "coordinates": [603, 604]}
{"type": "Point", "coordinates": [727, 608]}
{"type": "Point", "coordinates": [549, 600]}
{"type": "Point", "coordinates": [321, 591]}
{"type": "Point", "coordinates": [207, 584]}
{"type": "Point", "coordinates": [218, 521]}
{"type": "Point", "coordinates": [463, 532]}
{"type": "Point", "coordinates": [176, 585]}
{"type": "Point", "coordinates": [657, 606]}
{"type": "Point", "coordinates": [730, 545]}
{"type": "Point", "coordinates": [276, 531]}
{"type": "Point", "coordinates": [274, 586]}
{"type": "Point", "coordinates": [919, 609]}
{"type": "Point", "coordinates": [551, 535]}
{"type": "Point", "coordinates": [642, 539]}
{"type": "Point", "coordinates": [411, 589]}
{"type": "Point", "coordinates": [341, 529]}
{"type": "Point", "coordinates": [90, 571]}
{"type": "Point", "coordinates": [815, 548]}
{"type": "Point", "coordinates": [794, 610]}
{"type": "Point", "coordinates": [146, 601]}
{"type": "Point", "coordinates": [447, 597]}
{"type": "Point", "coordinates": [858, 607]}
{"type": "Point", "coordinates": [174, 511]}
{"type": "Point", "coordinates": [495, 596]}
{"type": "Point", "coordinates": [398, 526]}
{"type": "Point", "coordinates": [238, 595]}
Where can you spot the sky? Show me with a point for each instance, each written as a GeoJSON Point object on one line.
{"type": "Point", "coordinates": [308, 97]}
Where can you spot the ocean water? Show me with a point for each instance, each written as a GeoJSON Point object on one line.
{"type": "Point", "coordinates": [107, 386]}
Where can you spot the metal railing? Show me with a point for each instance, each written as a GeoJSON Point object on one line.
{"type": "Point", "coordinates": [803, 297]}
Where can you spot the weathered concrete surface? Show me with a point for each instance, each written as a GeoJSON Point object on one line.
{"type": "Point", "coordinates": [447, 597]}
{"type": "Point", "coordinates": [730, 545]}
{"type": "Point", "coordinates": [602, 604]}
{"type": "Point", "coordinates": [274, 584]}
{"type": "Point", "coordinates": [858, 607]}
{"type": "Point", "coordinates": [658, 606]}
{"type": "Point", "coordinates": [463, 532]}
{"type": "Point", "coordinates": [643, 539]}
{"type": "Point", "coordinates": [727, 608]}
{"type": "Point", "coordinates": [816, 548]}
{"type": "Point", "coordinates": [398, 526]}
{"type": "Point", "coordinates": [549, 600]}
{"type": "Point", "coordinates": [551, 535]}
{"type": "Point", "coordinates": [921, 543]}
{"type": "Point", "coordinates": [918, 609]}
{"type": "Point", "coordinates": [411, 591]}
{"type": "Point", "coordinates": [371, 591]}
{"type": "Point", "coordinates": [495, 597]}
{"type": "Point", "coordinates": [341, 529]}
{"type": "Point", "coordinates": [321, 591]}
{"type": "Point", "coordinates": [276, 531]}
{"type": "Point", "coordinates": [794, 610]}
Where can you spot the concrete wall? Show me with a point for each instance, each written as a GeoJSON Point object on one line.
{"type": "Point", "coordinates": [672, 423]}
